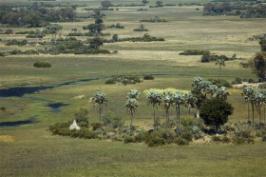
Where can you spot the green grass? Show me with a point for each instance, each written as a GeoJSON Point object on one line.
{"type": "Point", "coordinates": [35, 152]}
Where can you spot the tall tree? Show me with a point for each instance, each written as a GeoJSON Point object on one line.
{"type": "Point", "coordinates": [154, 99]}
{"type": "Point", "coordinates": [168, 101]}
{"type": "Point", "coordinates": [178, 100]}
{"type": "Point", "coordinates": [99, 100]}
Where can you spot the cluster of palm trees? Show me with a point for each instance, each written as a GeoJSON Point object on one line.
{"type": "Point", "coordinates": [168, 99]}
{"type": "Point", "coordinates": [256, 102]}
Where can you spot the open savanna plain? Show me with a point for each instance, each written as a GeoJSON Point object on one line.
{"type": "Point", "coordinates": [32, 151]}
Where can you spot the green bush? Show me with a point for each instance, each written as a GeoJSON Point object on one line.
{"type": "Point", "coordinates": [195, 52]}
{"type": "Point", "coordinates": [41, 64]}
{"type": "Point", "coordinates": [215, 112]}
{"type": "Point", "coordinates": [243, 134]}
{"type": "Point", "coordinates": [17, 42]}
{"type": "Point", "coordinates": [129, 139]}
{"type": "Point", "coordinates": [148, 77]}
{"type": "Point", "coordinates": [113, 121]}
{"type": "Point", "coordinates": [140, 136]}
{"type": "Point", "coordinates": [82, 117]}
{"type": "Point", "coordinates": [96, 125]}
{"type": "Point", "coordinates": [125, 80]}
{"type": "Point", "coordinates": [181, 141]}
{"type": "Point", "coordinates": [222, 139]}
{"type": "Point", "coordinates": [160, 137]}
{"type": "Point", "coordinates": [237, 81]}
{"type": "Point", "coordinates": [220, 82]}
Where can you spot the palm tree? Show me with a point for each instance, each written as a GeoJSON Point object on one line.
{"type": "Point", "coordinates": [190, 101]}
{"type": "Point", "coordinates": [221, 93]}
{"type": "Point", "coordinates": [132, 105]}
{"type": "Point", "coordinates": [168, 101]}
{"type": "Point", "coordinates": [154, 99]}
{"type": "Point", "coordinates": [133, 94]}
{"type": "Point", "coordinates": [99, 99]}
{"type": "Point", "coordinates": [178, 99]}
{"type": "Point", "coordinates": [220, 62]}
{"type": "Point", "coordinates": [248, 94]}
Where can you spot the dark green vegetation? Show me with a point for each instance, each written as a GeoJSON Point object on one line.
{"type": "Point", "coordinates": [30, 149]}
{"type": "Point", "coordinates": [34, 15]}
{"type": "Point", "coordinates": [244, 9]}
{"type": "Point", "coordinates": [41, 64]}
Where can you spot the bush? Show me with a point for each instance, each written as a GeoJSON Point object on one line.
{"type": "Point", "coordinates": [160, 137]}
{"type": "Point", "coordinates": [243, 134]}
{"type": "Point", "coordinates": [181, 141]}
{"type": "Point", "coordinates": [129, 139]}
{"type": "Point", "coordinates": [237, 81]}
{"type": "Point", "coordinates": [220, 82]}
{"type": "Point", "coordinates": [215, 112]}
{"type": "Point", "coordinates": [123, 79]}
{"type": "Point", "coordinates": [110, 81]}
{"type": "Point", "coordinates": [146, 38]}
{"type": "Point", "coordinates": [207, 57]}
{"type": "Point", "coordinates": [113, 121]}
{"type": "Point", "coordinates": [82, 117]}
{"type": "Point", "coordinates": [2, 54]}
{"type": "Point", "coordinates": [195, 52]}
{"type": "Point", "coordinates": [41, 64]}
{"type": "Point", "coordinates": [140, 136]}
{"type": "Point", "coordinates": [222, 139]}
{"type": "Point", "coordinates": [17, 42]}
{"type": "Point", "coordinates": [148, 77]}
{"type": "Point", "coordinates": [96, 125]}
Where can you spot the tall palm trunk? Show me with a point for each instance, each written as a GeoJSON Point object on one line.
{"type": "Point", "coordinates": [100, 112]}
{"type": "Point", "coordinates": [264, 110]}
{"type": "Point", "coordinates": [248, 113]}
{"type": "Point", "coordinates": [178, 113]}
{"type": "Point", "coordinates": [253, 113]}
{"type": "Point", "coordinates": [131, 121]}
{"type": "Point", "coordinates": [154, 118]}
{"type": "Point", "coordinates": [167, 117]}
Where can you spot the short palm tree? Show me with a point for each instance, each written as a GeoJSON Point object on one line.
{"type": "Point", "coordinates": [220, 62]}
{"type": "Point", "coordinates": [133, 94]}
{"type": "Point", "coordinates": [132, 105]}
{"type": "Point", "coordinates": [154, 99]}
{"type": "Point", "coordinates": [168, 101]}
{"type": "Point", "coordinates": [99, 100]}
{"type": "Point", "coordinates": [178, 100]}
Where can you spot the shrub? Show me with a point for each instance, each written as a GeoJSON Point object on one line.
{"type": "Point", "coordinates": [215, 112]}
{"type": "Point", "coordinates": [87, 134]}
{"type": "Point", "coordinates": [2, 54]}
{"type": "Point", "coordinates": [17, 42]}
{"type": "Point", "coordinates": [160, 137]}
{"type": "Point", "coordinates": [96, 125]}
{"type": "Point", "coordinates": [113, 121]}
{"type": "Point", "coordinates": [220, 82]}
{"type": "Point", "coordinates": [129, 139]}
{"type": "Point", "coordinates": [41, 64]}
{"type": "Point", "coordinates": [195, 52]}
{"type": "Point", "coordinates": [82, 117]}
{"type": "Point", "coordinates": [181, 141]}
{"type": "Point", "coordinates": [243, 134]}
{"type": "Point", "coordinates": [110, 81]}
{"type": "Point", "coordinates": [148, 77]}
{"type": "Point", "coordinates": [222, 139]}
{"type": "Point", "coordinates": [141, 136]}
{"type": "Point", "coordinates": [237, 81]}
{"type": "Point", "coordinates": [123, 79]}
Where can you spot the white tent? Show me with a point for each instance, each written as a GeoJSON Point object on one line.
{"type": "Point", "coordinates": [74, 126]}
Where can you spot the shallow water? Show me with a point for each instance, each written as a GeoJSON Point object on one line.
{"type": "Point", "coordinates": [30, 120]}
{"type": "Point", "coordinates": [21, 91]}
